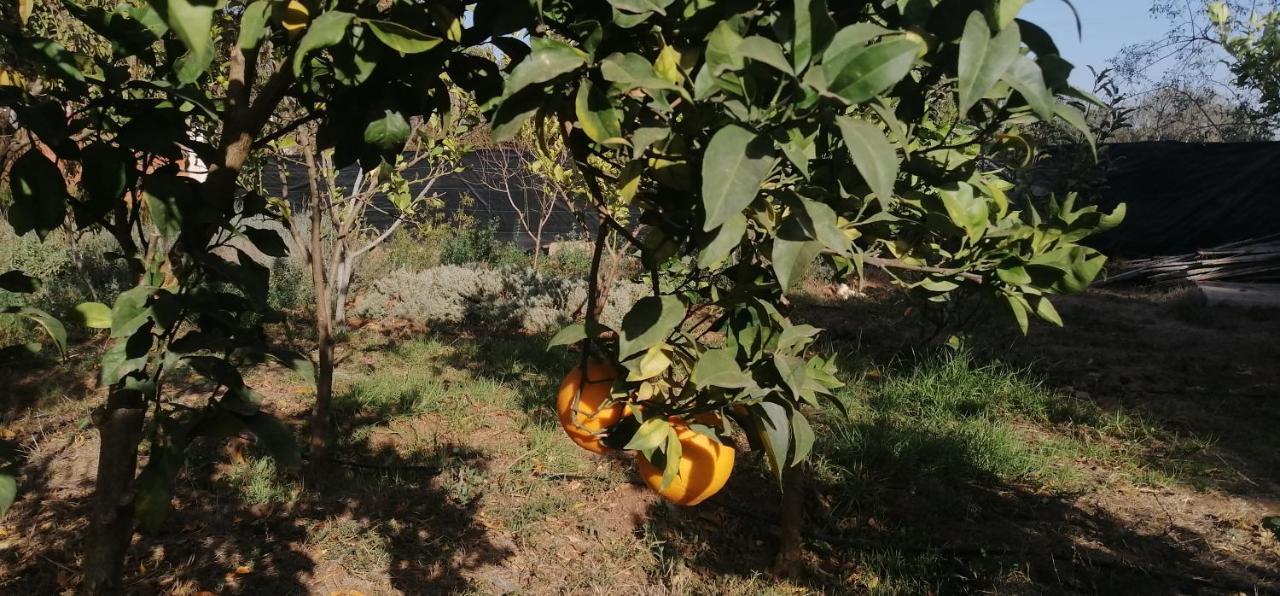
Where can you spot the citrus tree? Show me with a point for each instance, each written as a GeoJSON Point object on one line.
{"type": "Point", "coordinates": [751, 139]}
{"type": "Point", "coordinates": [106, 138]}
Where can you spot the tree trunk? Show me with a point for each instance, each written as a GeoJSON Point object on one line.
{"type": "Point", "coordinates": [320, 419]}
{"type": "Point", "coordinates": [342, 286]}
{"type": "Point", "coordinates": [111, 514]}
{"type": "Point", "coordinates": [790, 548]}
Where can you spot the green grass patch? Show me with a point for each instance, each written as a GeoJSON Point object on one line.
{"type": "Point", "coordinates": [954, 417]}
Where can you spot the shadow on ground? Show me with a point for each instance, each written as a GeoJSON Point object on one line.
{"type": "Point", "coordinates": [382, 521]}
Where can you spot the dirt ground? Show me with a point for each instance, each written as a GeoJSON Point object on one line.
{"type": "Point", "coordinates": [479, 495]}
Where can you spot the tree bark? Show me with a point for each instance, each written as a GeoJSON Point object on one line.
{"type": "Point", "coordinates": [790, 547]}
{"type": "Point", "coordinates": [320, 417]}
{"type": "Point", "coordinates": [342, 286]}
{"type": "Point", "coordinates": [111, 514]}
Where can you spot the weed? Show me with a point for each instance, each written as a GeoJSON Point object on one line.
{"type": "Point", "coordinates": [357, 547]}
{"type": "Point", "coordinates": [258, 483]}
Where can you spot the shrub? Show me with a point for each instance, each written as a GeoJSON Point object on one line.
{"type": "Point", "coordinates": [71, 269]}
{"type": "Point", "coordinates": [499, 298]}
{"type": "Point", "coordinates": [479, 244]}
{"type": "Point", "coordinates": [291, 285]}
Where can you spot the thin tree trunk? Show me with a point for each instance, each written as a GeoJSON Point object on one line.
{"type": "Point", "coordinates": [320, 419]}
{"type": "Point", "coordinates": [342, 286]}
{"type": "Point", "coordinates": [111, 515]}
{"type": "Point", "coordinates": [790, 548]}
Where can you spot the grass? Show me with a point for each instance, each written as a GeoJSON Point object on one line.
{"type": "Point", "coordinates": [949, 413]}
{"type": "Point", "coordinates": [921, 448]}
{"type": "Point", "coordinates": [256, 482]}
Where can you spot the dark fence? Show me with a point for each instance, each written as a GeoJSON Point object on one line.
{"type": "Point", "coordinates": [1184, 197]}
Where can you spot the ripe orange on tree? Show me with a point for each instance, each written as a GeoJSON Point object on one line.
{"type": "Point", "coordinates": [705, 466]}
{"type": "Point", "coordinates": [586, 423]}
{"type": "Point", "coordinates": [296, 17]}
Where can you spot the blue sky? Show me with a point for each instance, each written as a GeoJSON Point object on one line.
{"type": "Point", "coordinates": [1108, 26]}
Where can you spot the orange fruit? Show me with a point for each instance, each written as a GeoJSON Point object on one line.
{"type": "Point", "coordinates": [296, 18]}
{"type": "Point", "coordinates": [705, 466]}
{"type": "Point", "coordinates": [592, 417]}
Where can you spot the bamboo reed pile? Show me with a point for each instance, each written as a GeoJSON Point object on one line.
{"type": "Point", "coordinates": [1249, 261]}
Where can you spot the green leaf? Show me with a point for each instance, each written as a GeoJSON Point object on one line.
{"type": "Point", "coordinates": [130, 311]}
{"type": "Point", "coordinates": [295, 362]}
{"type": "Point", "coordinates": [1018, 305]}
{"type": "Point", "coordinates": [632, 71]}
{"type": "Point", "coordinates": [39, 195]}
{"type": "Point", "coordinates": [18, 282]}
{"type": "Point", "coordinates": [765, 51]}
{"type": "Point", "coordinates": [126, 356]}
{"type": "Point", "coordinates": [192, 22]}
{"type": "Point", "coordinates": [153, 490]}
{"type": "Point", "coordinates": [1025, 76]}
{"type": "Point", "coordinates": [106, 175]}
{"type": "Point", "coordinates": [8, 493]}
{"type": "Point", "coordinates": [1046, 311]}
{"type": "Point", "coordinates": [861, 73]}
{"type": "Point", "coordinates": [389, 132]}
{"type": "Point", "coordinates": [1076, 119]}
{"type": "Point", "coordinates": [983, 60]}
{"type": "Point", "coordinates": [597, 116]}
{"type": "Point", "coordinates": [650, 435]}
{"type": "Point", "coordinates": [773, 431]}
{"type": "Point", "coordinates": [654, 362]}
{"type": "Point", "coordinates": [822, 224]}
{"type": "Point", "coordinates": [794, 338]}
{"type": "Point", "coordinates": [649, 323]}
{"type": "Point", "coordinates": [1086, 265]}
{"type": "Point", "coordinates": [254, 25]}
{"type": "Point", "coordinates": [802, 437]}
{"type": "Point", "coordinates": [512, 113]}
{"type": "Point", "coordinates": [727, 237]}
{"type": "Point", "coordinates": [873, 155]}
{"type": "Point", "coordinates": [1013, 273]}
{"type": "Point", "coordinates": [277, 439]}
{"type": "Point", "coordinates": [169, 200]}
{"type": "Point", "coordinates": [94, 315]}
{"type": "Point", "coordinates": [814, 30]}
{"type": "Point", "coordinates": [967, 211]}
{"type": "Point", "coordinates": [549, 59]}
{"type": "Point", "coordinates": [327, 30]}
{"type": "Point", "coordinates": [719, 368]}
{"type": "Point", "coordinates": [736, 163]}
{"type": "Point", "coordinates": [401, 38]}
{"type": "Point", "coordinates": [570, 335]}
{"type": "Point", "coordinates": [794, 249]}
{"type": "Point", "coordinates": [674, 453]}
{"type": "Point", "coordinates": [722, 50]}
{"type": "Point", "coordinates": [1007, 10]}
{"type": "Point", "coordinates": [53, 327]}
{"type": "Point", "coordinates": [642, 6]}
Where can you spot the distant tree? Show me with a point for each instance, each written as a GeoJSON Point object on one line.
{"type": "Point", "coordinates": [1200, 81]}
{"type": "Point", "coordinates": [537, 179]}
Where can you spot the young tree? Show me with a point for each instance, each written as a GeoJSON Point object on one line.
{"type": "Point", "coordinates": [163, 76]}
{"type": "Point", "coordinates": [536, 179]}
{"type": "Point", "coordinates": [752, 138]}
{"type": "Point", "coordinates": [338, 230]}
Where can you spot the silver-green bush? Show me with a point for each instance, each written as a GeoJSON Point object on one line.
{"type": "Point", "coordinates": [499, 298]}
